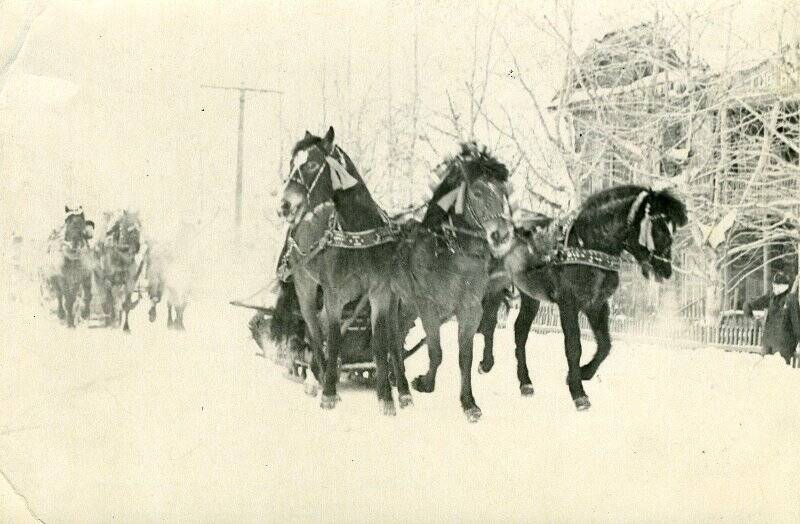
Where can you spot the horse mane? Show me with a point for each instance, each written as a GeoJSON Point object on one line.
{"type": "Point", "coordinates": [473, 161]}
{"type": "Point", "coordinates": [598, 206]}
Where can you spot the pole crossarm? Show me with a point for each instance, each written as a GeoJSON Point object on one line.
{"type": "Point", "coordinates": [233, 88]}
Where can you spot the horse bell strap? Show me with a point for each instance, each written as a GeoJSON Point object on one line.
{"type": "Point", "coordinates": [578, 256]}
{"type": "Point", "coordinates": [363, 239]}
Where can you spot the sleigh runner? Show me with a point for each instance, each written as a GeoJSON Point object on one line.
{"type": "Point", "coordinates": [355, 359]}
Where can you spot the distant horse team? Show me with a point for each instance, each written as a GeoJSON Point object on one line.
{"type": "Point", "coordinates": [109, 269]}
{"type": "Point", "coordinates": [457, 262]}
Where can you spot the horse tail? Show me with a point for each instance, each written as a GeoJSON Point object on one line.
{"type": "Point", "coordinates": [286, 319]}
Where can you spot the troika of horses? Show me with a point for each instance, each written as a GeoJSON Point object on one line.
{"type": "Point", "coordinates": [107, 271]}
{"type": "Point", "coordinates": [352, 280]}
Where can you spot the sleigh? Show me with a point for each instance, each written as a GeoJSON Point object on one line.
{"type": "Point", "coordinates": [355, 357]}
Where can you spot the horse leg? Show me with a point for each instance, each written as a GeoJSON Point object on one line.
{"type": "Point", "coordinates": [151, 314]}
{"type": "Point", "coordinates": [381, 303]}
{"type": "Point", "coordinates": [598, 320]}
{"type": "Point", "coordinates": [108, 306]}
{"type": "Point", "coordinates": [431, 324]}
{"type": "Point", "coordinates": [87, 297]}
{"type": "Point", "coordinates": [179, 318]}
{"type": "Point", "coordinates": [403, 390]}
{"type": "Point", "coordinates": [468, 319]}
{"type": "Point", "coordinates": [127, 306]}
{"type": "Point", "coordinates": [62, 314]}
{"type": "Point", "coordinates": [308, 308]}
{"type": "Point", "coordinates": [70, 296]}
{"type": "Point", "coordinates": [333, 308]}
{"type": "Point", "coordinates": [491, 305]}
{"type": "Point", "coordinates": [170, 322]}
{"type": "Point", "coordinates": [572, 345]}
{"type": "Point", "coordinates": [528, 309]}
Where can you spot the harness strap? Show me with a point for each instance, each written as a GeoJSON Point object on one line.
{"type": "Point", "coordinates": [467, 232]}
{"type": "Point", "coordinates": [578, 256]}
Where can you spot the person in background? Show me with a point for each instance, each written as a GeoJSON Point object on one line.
{"type": "Point", "coordinates": [782, 323]}
{"type": "Point", "coordinates": [793, 311]}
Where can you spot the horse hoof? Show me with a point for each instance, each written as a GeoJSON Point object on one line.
{"type": "Point", "coordinates": [387, 408]}
{"type": "Point", "coordinates": [473, 414]}
{"type": "Point", "coordinates": [582, 403]}
{"type": "Point", "coordinates": [310, 389]}
{"type": "Point", "coordinates": [329, 402]}
{"type": "Point", "coordinates": [526, 390]}
{"type": "Point", "coordinates": [406, 401]}
{"type": "Point", "coordinates": [422, 385]}
{"type": "Point", "coordinates": [484, 368]}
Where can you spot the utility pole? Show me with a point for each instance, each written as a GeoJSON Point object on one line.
{"type": "Point", "coordinates": [240, 144]}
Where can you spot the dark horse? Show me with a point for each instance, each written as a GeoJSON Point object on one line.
{"type": "Point", "coordinates": [566, 265]}
{"type": "Point", "coordinates": [324, 192]}
{"type": "Point", "coordinates": [72, 267]}
{"type": "Point", "coordinates": [118, 271]}
{"type": "Point", "coordinates": [444, 265]}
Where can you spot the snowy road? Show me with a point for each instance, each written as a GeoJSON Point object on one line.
{"type": "Point", "coordinates": [157, 426]}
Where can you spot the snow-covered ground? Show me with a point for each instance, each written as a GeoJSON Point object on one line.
{"type": "Point", "coordinates": [99, 426]}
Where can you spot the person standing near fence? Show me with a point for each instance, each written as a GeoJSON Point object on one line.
{"type": "Point", "coordinates": [782, 323]}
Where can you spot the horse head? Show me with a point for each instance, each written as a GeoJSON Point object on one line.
{"type": "Point", "coordinates": [474, 194]}
{"type": "Point", "coordinates": [651, 221]}
{"type": "Point", "coordinates": [315, 168]}
{"type": "Point", "coordinates": [74, 228]}
{"type": "Point", "coordinates": [128, 233]}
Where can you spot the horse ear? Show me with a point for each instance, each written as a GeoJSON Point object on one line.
{"type": "Point", "coordinates": [308, 135]}
{"type": "Point", "coordinates": [328, 140]}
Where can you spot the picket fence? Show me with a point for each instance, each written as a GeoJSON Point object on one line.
{"type": "Point", "coordinates": [677, 332]}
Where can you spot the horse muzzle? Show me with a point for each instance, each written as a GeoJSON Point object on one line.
{"type": "Point", "coordinates": [290, 211]}
{"type": "Point", "coordinates": [500, 238]}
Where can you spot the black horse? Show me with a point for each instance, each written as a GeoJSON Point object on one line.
{"type": "Point", "coordinates": [571, 264]}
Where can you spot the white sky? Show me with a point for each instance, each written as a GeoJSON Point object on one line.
{"type": "Point", "coordinates": [103, 106]}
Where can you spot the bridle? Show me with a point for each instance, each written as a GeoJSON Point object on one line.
{"type": "Point", "coordinates": [645, 239]}
{"type": "Point", "coordinates": [297, 176]}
